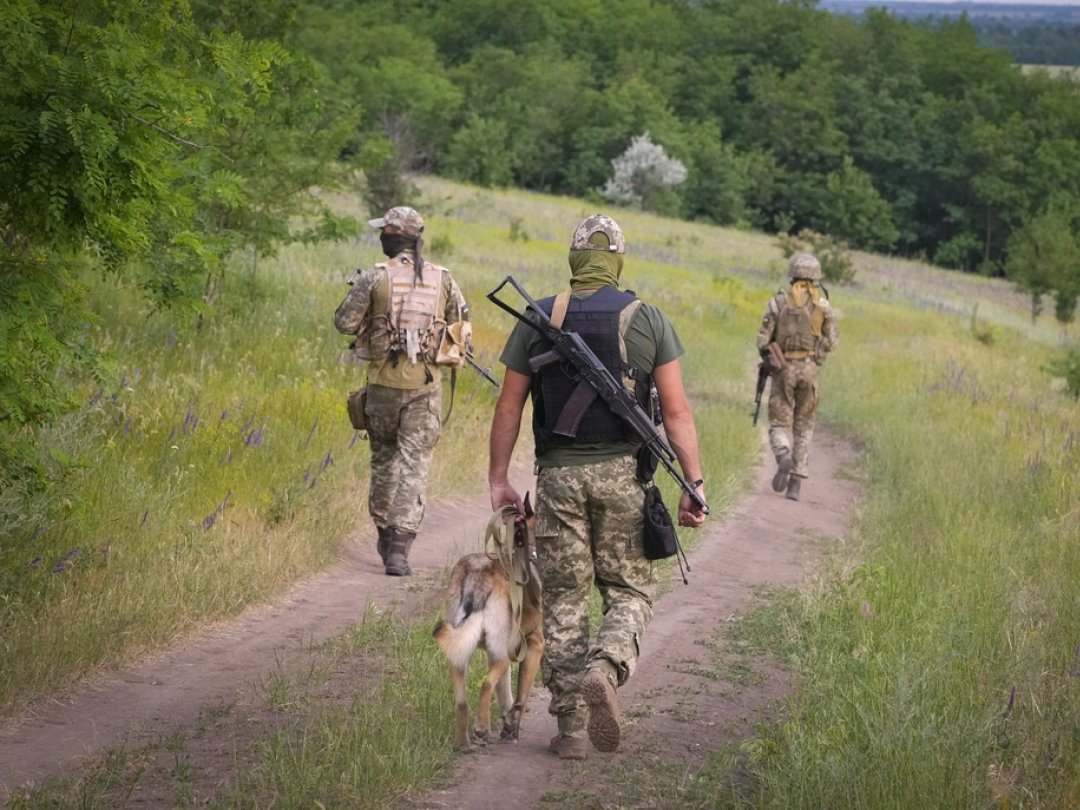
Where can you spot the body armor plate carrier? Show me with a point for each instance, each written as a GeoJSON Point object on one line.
{"type": "Point", "coordinates": [597, 319]}
{"type": "Point", "coordinates": [798, 326]}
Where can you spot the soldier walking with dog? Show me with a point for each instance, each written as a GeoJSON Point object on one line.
{"type": "Point", "coordinates": [798, 331]}
{"type": "Point", "coordinates": [401, 311]}
{"type": "Point", "coordinates": [589, 499]}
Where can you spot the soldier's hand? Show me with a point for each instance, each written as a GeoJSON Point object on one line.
{"type": "Point", "coordinates": [690, 514]}
{"type": "Point", "coordinates": [502, 493]}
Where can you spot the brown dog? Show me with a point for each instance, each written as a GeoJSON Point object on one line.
{"type": "Point", "coordinates": [479, 615]}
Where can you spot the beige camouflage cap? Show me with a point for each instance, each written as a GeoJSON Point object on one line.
{"type": "Point", "coordinates": [598, 223]}
{"type": "Point", "coordinates": [403, 217]}
{"type": "Point", "coordinates": [804, 265]}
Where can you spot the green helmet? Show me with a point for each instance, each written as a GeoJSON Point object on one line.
{"type": "Point", "coordinates": [804, 266]}
{"type": "Point", "coordinates": [599, 224]}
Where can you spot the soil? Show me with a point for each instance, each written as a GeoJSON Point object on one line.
{"type": "Point", "coordinates": [681, 700]}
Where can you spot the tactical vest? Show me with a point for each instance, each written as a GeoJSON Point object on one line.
{"type": "Point", "coordinates": [601, 322]}
{"type": "Point", "coordinates": [406, 313]}
{"type": "Point", "coordinates": [799, 323]}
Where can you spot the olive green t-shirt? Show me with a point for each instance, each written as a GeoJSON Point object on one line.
{"type": "Point", "coordinates": [651, 341]}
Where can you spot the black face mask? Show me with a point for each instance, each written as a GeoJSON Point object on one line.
{"type": "Point", "coordinates": [394, 243]}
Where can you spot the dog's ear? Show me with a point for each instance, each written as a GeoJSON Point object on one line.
{"type": "Point", "coordinates": [528, 507]}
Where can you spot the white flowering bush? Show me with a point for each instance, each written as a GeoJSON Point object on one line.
{"type": "Point", "coordinates": [642, 171]}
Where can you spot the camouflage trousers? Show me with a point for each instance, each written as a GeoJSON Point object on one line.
{"type": "Point", "coordinates": [793, 402]}
{"type": "Point", "coordinates": [589, 521]}
{"type": "Point", "coordinates": [403, 428]}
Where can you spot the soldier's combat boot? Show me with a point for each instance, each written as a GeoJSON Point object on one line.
{"type": "Point", "coordinates": [397, 559]}
{"type": "Point", "coordinates": [793, 488]}
{"type": "Point", "coordinates": [599, 694]}
{"type": "Point", "coordinates": [382, 545]}
{"type": "Point", "coordinates": [566, 747]}
{"type": "Point", "coordinates": [784, 465]}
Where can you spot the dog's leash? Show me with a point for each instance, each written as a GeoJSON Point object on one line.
{"type": "Point", "coordinates": [505, 543]}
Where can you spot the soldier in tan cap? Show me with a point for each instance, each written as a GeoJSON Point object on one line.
{"type": "Point", "coordinates": [800, 321]}
{"type": "Point", "coordinates": [399, 311]}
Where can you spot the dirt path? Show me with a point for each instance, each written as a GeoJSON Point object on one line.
{"type": "Point", "coordinates": [678, 700]}
{"type": "Point", "coordinates": [674, 696]}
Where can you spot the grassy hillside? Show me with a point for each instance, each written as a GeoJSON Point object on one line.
{"type": "Point", "coordinates": [936, 654]}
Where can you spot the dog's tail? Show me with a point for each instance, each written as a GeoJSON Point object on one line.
{"type": "Point", "coordinates": [460, 633]}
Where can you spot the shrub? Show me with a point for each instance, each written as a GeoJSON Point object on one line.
{"type": "Point", "coordinates": [1068, 366]}
{"type": "Point", "coordinates": [833, 254]}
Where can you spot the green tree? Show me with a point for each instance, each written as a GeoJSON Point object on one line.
{"type": "Point", "coordinates": [133, 141]}
{"type": "Point", "coordinates": [1044, 259]}
{"type": "Point", "coordinates": [854, 211]}
{"type": "Point", "coordinates": [480, 153]}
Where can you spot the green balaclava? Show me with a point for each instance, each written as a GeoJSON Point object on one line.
{"type": "Point", "coordinates": [590, 269]}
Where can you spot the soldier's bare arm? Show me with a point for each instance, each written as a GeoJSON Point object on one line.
{"type": "Point", "coordinates": [505, 427]}
{"type": "Point", "coordinates": [681, 435]}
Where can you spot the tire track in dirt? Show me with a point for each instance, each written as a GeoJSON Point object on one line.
{"type": "Point", "coordinates": [675, 702]}
{"type": "Point", "coordinates": [148, 699]}
{"type": "Point", "coordinates": [674, 696]}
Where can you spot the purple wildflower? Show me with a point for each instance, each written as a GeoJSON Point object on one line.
{"type": "Point", "coordinates": [65, 561]}
{"type": "Point", "coordinates": [327, 459]}
{"type": "Point", "coordinates": [209, 520]}
{"type": "Point", "coordinates": [311, 432]}
{"type": "Point", "coordinates": [145, 517]}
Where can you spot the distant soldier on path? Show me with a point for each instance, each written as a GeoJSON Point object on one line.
{"type": "Point", "coordinates": [800, 321]}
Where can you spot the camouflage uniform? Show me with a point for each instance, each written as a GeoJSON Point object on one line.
{"type": "Point", "coordinates": [793, 391]}
{"type": "Point", "coordinates": [403, 428]}
{"type": "Point", "coordinates": [589, 522]}
{"type": "Point", "coordinates": [403, 408]}
{"type": "Point", "coordinates": [590, 513]}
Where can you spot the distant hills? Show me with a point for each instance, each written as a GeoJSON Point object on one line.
{"type": "Point", "coordinates": [1033, 34]}
{"type": "Point", "coordinates": [1019, 14]}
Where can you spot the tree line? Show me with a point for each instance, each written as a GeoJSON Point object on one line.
{"type": "Point", "coordinates": [155, 139]}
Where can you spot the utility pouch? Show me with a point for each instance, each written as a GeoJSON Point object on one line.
{"type": "Point", "coordinates": [454, 346]}
{"type": "Point", "coordinates": [776, 358]}
{"type": "Point", "coordinates": [660, 540]}
{"type": "Point", "coordinates": [355, 404]}
{"type": "Point", "coordinates": [647, 462]}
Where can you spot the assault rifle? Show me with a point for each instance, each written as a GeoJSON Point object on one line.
{"type": "Point", "coordinates": [762, 376]}
{"type": "Point", "coordinates": [772, 359]}
{"type": "Point", "coordinates": [591, 373]}
{"type": "Point", "coordinates": [483, 372]}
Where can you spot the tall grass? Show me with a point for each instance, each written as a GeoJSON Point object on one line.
{"type": "Point", "coordinates": [337, 732]}
{"type": "Point", "coordinates": [936, 654]}
{"type": "Point", "coordinates": [217, 466]}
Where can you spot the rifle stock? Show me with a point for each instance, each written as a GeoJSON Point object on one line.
{"type": "Point", "coordinates": [571, 348]}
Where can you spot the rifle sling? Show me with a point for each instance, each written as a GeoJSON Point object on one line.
{"type": "Point", "coordinates": [501, 543]}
